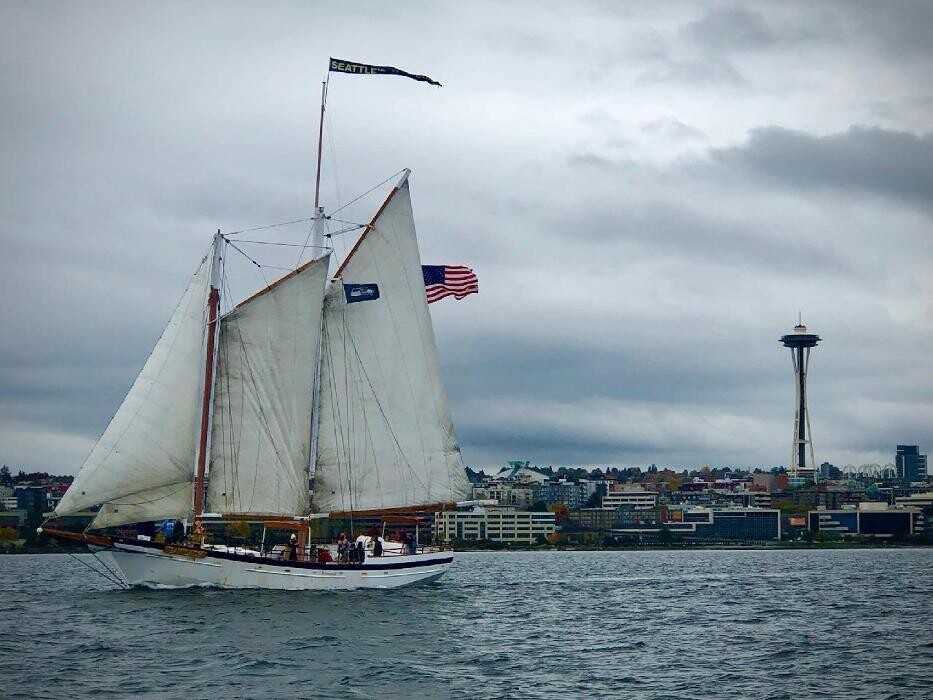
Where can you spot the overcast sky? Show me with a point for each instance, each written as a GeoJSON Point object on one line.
{"type": "Point", "coordinates": [649, 192]}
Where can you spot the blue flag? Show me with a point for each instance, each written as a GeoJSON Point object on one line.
{"type": "Point", "coordinates": [360, 292]}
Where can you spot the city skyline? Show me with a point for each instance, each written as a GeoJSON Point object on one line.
{"type": "Point", "coordinates": [647, 194]}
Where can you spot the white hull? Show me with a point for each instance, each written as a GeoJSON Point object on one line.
{"type": "Point", "coordinates": [146, 565]}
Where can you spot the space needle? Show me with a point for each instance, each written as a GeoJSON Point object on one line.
{"type": "Point", "coordinates": [800, 342]}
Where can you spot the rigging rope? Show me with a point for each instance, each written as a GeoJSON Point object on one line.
{"type": "Point", "coordinates": [256, 263]}
{"type": "Point", "coordinates": [371, 189]}
{"type": "Point", "coordinates": [108, 577]}
{"type": "Point", "coordinates": [107, 566]}
{"type": "Point", "coordinates": [287, 245]}
{"type": "Point", "coordinates": [262, 228]}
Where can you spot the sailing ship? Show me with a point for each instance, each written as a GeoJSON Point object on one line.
{"type": "Point", "coordinates": [234, 415]}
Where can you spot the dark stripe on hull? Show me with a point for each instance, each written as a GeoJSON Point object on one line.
{"type": "Point", "coordinates": [368, 566]}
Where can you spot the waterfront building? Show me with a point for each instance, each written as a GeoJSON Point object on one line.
{"type": "Point", "coordinates": [573, 494]}
{"type": "Point", "coordinates": [915, 500]}
{"type": "Point", "coordinates": [595, 519]}
{"type": "Point", "coordinates": [521, 496]}
{"type": "Point", "coordinates": [633, 498]}
{"type": "Point", "coordinates": [870, 519]}
{"type": "Point", "coordinates": [828, 497]}
{"type": "Point", "coordinates": [628, 516]}
{"type": "Point", "coordinates": [32, 498]}
{"type": "Point", "coordinates": [603, 519]}
{"type": "Point", "coordinates": [910, 464]}
{"type": "Point", "coordinates": [13, 519]}
{"type": "Point", "coordinates": [496, 524]}
{"type": "Point", "coordinates": [698, 525]}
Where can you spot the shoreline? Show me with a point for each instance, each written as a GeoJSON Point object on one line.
{"type": "Point", "coordinates": [539, 548]}
{"type": "Point", "coordinates": [694, 548]}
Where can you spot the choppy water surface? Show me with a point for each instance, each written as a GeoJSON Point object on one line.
{"type": "Point", "coordinates": [699, 624]}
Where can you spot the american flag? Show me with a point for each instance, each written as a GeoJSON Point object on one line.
{"type": "Point", "coordinates": [448, 280]}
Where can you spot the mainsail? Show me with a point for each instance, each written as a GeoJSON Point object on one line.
{"type": "Point", "coordinates": [143, 464]}
{"type": "Point", "coordinates": [261, 434]}
{"type": "Point", "coordinates": [385, 437]}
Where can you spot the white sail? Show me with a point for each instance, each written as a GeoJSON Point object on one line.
{"type": "Point", "coordinates": [261, 434]}
{"type": "Point", "coordinates": [150, 442]}
{"type": "Point", "coordinates": [172, 501]}
{"type": "Point", "coordinates": [385, 436]}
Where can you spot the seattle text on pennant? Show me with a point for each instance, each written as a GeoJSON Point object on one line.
{"type": "Point", "coordinates": [338, 65]}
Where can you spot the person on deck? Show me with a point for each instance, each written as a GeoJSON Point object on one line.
{"type": "Point", "coordinates": [360, 551]}
{"type": "Point", "coordinates": [291, 550]}
{"type": "Point", "coordinates": [377, 547]}
{"type": "Point", "coordinates": [343, 549]}
{"type": "Point", "coordinates": [178, 532]}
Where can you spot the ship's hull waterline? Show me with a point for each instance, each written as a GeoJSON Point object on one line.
{"type": "Point", "coordinates": [153, 567]}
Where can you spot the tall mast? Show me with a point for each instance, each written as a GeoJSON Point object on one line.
{"type": "Point", "coordinates": [210, 361]}
{"type": "Point", "coordinates": [317, 240]}
{"type": "Point", "coordinates": [320, 142]}
{"type": "Point", "coordinates": [317, 226]}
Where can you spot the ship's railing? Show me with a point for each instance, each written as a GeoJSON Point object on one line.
{"type": "Point", "coordinates": [311, 553]}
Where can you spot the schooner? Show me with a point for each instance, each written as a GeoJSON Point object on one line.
{"type": "Point", "coordinates": [330, 378]}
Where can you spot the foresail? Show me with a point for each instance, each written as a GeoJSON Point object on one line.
{"type": "Point", "coordinates": [150, 441]}
{"type": "Point", "coordinates": [172, 501]}
{"type": "Point", "coordinates": [261, 434]}
{"type": "Point", "coordinates": [385, 436]}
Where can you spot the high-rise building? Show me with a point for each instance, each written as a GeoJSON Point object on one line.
{"type": "Point", "coordinates": [910, 464]}
{"type": "Point", "coordinates": [800, 342]}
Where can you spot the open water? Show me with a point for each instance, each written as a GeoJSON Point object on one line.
{"type": "Point", "coordinates": [678, 624]}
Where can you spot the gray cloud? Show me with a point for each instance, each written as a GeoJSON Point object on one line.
{"type": "Point", "coordinates": [871, 160]}
{"type": "Point", "coordinates": [734, 27]}
{"type": "Point", "coordinates": [899, 29]}
{"type": "Point", "coordinates": [669, 228]}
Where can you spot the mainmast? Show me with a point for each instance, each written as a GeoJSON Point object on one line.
{"type": "Point", "coordinates": [317, 250]}
{"type": "Point", "coordinates": [317, 226]}
{"type": "Point", "coordinates": [210, 362]}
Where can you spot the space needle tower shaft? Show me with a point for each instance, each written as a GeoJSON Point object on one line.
{"type": "Point", "coordinates": [800, 343]}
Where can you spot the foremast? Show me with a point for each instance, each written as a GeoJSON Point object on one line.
{"type": "Point", "coordinates": [210, 365]}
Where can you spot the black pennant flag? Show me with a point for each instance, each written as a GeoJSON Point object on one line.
{"type": "Point", "coordinates": [338, 65]}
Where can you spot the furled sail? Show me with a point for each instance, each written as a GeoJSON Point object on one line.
{"type": "Point", "coordinates": [385, 436]}
{"type": "Point", "coordinates": [150, 442]}
{"type": "Point", "coordinates": [261, 434]}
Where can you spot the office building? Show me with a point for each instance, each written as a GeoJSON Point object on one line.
{"type": "Point", "coordinates": [698, 525]}
{"type": "Point", "coordinates": [496, 524]}
{"type": "Point", "coordinates": [635, 499]}
{"type": "Point", "coordinates": [910, 464]}
{"type": "Point", "coordinates": [870, 519]}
